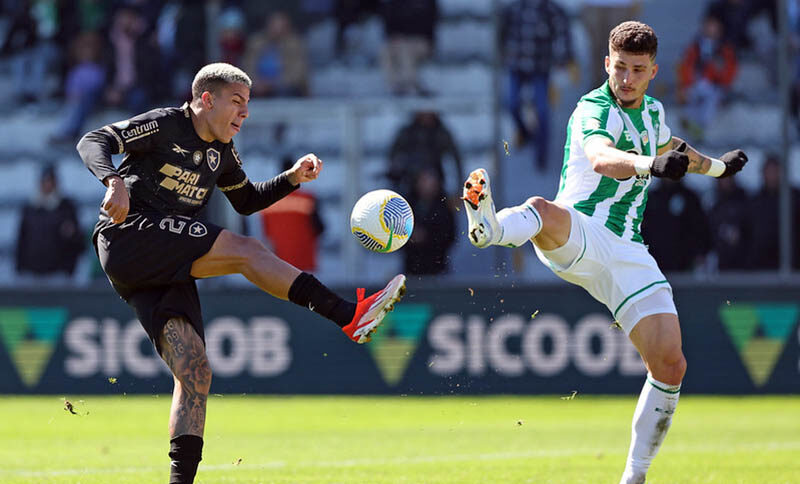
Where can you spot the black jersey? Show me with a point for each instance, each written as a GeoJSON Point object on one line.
{"type": "Point", "coordinates": [169, 169]}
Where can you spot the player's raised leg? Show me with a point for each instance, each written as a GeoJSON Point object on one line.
{"type": "Point", "coordinates": [658, 339]}
{"type": "Point", "coordinates": [185, 355]}
{"type": "Point", "coordinates": [545, 222]}
{"type": "Point", "coordinates": [236, 254]}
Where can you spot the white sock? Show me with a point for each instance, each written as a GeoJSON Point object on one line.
{"type": "Point", "coordinates": [651, 421]}
{"type": "Point", "coordinates": [520, 224]}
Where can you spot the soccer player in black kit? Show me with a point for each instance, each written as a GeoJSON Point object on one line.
{"type": "Point", "coordinates": [152, 247]}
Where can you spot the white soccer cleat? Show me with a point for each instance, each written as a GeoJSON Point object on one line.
{"type": "Point", "coordinates": [484, 229]}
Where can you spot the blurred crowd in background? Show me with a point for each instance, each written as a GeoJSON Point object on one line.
{"type": "Point", "coordinates": [87, 56]}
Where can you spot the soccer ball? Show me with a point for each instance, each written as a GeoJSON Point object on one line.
{"type": "Point", "coordinates": [382, 221]}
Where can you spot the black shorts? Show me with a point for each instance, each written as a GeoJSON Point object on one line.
{"type": "Point", "coordinates": [148, 259]}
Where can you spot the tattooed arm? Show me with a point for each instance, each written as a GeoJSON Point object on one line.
{"type": "Point", "coordinates": [698, 162]}
{"type": "Point", "coordinates": [728, 165]}
{"type": "Point", "coordinates": [609, 161]}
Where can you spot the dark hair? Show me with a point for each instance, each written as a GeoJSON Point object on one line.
{"type": "Point", "coordinates": [634, 37]}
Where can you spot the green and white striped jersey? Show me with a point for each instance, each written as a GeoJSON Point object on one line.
{"type": "Point", "coordinates": [619, 203]}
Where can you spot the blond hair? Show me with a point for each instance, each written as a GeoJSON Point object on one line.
{"type": "Point", "coordinates": [213, 76]}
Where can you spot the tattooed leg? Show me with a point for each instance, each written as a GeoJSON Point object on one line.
{"type": "Point", "coordinates": [184, 352]}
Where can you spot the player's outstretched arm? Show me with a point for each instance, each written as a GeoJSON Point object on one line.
{"type": "Point", "coordinates": [728, 164]}
{"type": "Point", "coordinates": [698, 162]}
{"type": "Point", "coordinates": [248, 198]}
{"type": "Point", "coordinates": [305, 169]}
{"type": "Point", "coordinates": [614, 163]}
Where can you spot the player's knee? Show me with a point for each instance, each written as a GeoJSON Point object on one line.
{"type": "Point", "coordinates": [250, 246]}
{"type": "Point", "coordinates": [546, 209]}
{"type": "Point", "coordinates": [680, 367]}
{"type": "Point", "coordinates": [539, 203]}
{"type": "Point", "coordinates": [254, 251]}
{"type": "Point", "coordinates": [247, 250]}
{"type": "Point", "coordinates": [670, 368]}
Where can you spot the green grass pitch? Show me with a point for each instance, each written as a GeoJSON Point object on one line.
{"type": "Point", "coordinates": [344, 440]}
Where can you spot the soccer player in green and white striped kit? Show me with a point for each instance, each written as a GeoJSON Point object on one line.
{"type": "Point", "coordinates": [617, 139]}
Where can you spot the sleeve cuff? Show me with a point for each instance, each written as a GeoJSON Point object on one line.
{"type": "Point", "coordinates": [282, 183]}
{"type": "Point", "coordinates": [107, 174]}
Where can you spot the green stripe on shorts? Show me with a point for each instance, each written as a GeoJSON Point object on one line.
{"type": "Point", "coordinates": [637, 292]}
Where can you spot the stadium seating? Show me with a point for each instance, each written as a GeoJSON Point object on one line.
{"type": "Point", "coordinates": [351, 117]}
{"type": "Point", "coordinates": [20, 180]}
{"type": "Point", "coordinates": [465, 40]}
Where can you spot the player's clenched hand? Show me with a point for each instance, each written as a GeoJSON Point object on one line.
{"type": "Point", "coordinates": [734, 162]}
{"type": "Point", "coordinates": [116, 203]}
{"type": "Point", "coordinates": [305, 169]}
{"type": "Point", "coordinates": [671, 164]}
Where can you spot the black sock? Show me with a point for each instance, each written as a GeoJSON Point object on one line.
{"type": "Point", "coordinates": [308, 292]}
{"type": "Point", "coordinates": [186, 452]}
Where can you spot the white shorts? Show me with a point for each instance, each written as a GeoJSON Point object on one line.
{"type": "Point", "coordinates": [619, 273]}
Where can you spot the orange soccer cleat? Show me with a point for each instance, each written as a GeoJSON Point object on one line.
{"type": "Point", "coordinates": [371, 311]}
{"type": "Point", "coordinates": [484, 229]}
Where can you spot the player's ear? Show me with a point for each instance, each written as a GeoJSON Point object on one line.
{"type": "Point", "coordinates": [655, 71]}
{"type": "Point", "coordinates": [208, 100]}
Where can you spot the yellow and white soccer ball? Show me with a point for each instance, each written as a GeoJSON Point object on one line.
{"type": "Point", "coordinates": [382, 221]}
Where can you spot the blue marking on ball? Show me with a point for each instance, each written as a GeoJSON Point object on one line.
{"type": "Point", "coordinates": [398, 217]}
